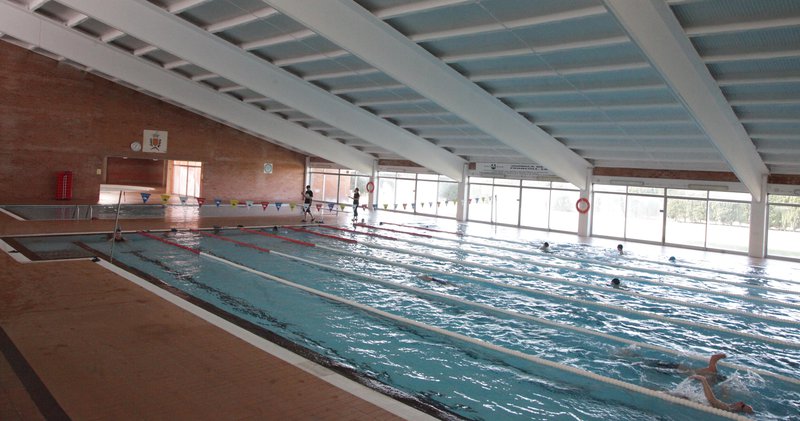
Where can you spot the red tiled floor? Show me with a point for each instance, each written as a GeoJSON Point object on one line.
{"type": "Point", "coordinates": [107, 349]}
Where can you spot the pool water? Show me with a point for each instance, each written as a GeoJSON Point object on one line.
{"type": "Point", "coordinates": [172, 212]}
{"type": "Point", "coordinates": [516, 306]}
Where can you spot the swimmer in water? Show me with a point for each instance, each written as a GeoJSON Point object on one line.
{"type": "Point", "coordinates": [117, 236]}
{"type": "Point", "coordinates": [716, 403]}
{"type": "Point", "coordinates": [709, 372]}
{"type": "Point", "coordinates": [619, 249]}
{"type": "Point", "coordinates": [616, 283]}
{"type": "Point", "coordinates": [545, 247]}
{"type": "Point", "coordinates": [429, 278]}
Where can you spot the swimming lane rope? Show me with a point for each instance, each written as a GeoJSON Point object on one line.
{"type": "Point", "coordinates": [536, 360]}
{"type": "Point", "coordinates": [642, 280]}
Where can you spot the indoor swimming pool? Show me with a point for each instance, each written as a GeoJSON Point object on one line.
{"type": "Point", "coordinates": [480, 327]}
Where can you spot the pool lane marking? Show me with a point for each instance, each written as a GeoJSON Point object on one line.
{"type": "Point", "coordinates": [655, 316]}
{"type": "Point", "coordinates": [682, 303]}
{"type": "Point", "coordinates": [230, 240]}
{"type": "Point", "coordinates": [333, 227]}
{"type": "Point", "coordinates": [536, 360]}
{"type": "Point", "coordinates": [321, 372]}
{"type": "Point", "coordinates": [335, 237]}
{"type": "Point", "coordinates": [392, 230]}
{"type": "Point", "coordinates": [265, 234]}
{"type": "Point", "coordinates": [617, 266]}
{"type": "Point", "coordinates": [700, 268]}
{"type": "Point", "coordinates": [628, 278]}
{"type": "Point", "coordinates": [515, 313]}
{"type": "Point", "coordinates": [13, 253]}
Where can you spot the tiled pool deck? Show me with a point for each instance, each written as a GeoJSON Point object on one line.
{"type": "Point", "coordinates": [104, 348]}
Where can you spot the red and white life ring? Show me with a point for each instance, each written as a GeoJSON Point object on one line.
{"type": "Point", "coordinates": [582, 205]}
{"type": "Point", "coordinates": [370, 187]}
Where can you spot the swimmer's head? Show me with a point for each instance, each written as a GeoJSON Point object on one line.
{"type": "Point", "coordinates": [546, 244]}
{"type": "Point", "coordinates": [741, 407]}
{"type": "Point", "coordinates": [615, 282]}
{"type": "Point", "coordinates": [619, 247]}
{"type": "Point", "coordinates": [672, 259]}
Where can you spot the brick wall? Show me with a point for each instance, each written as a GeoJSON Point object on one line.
{"type": "Point", "coordinates": [54, 117]}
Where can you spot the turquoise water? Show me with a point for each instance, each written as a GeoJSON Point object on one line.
{"type": "Point", "coordinates": [476, 382]}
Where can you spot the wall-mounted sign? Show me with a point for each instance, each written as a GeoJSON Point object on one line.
{"type": "Point", "coordinates": [154, 141]}
{"type": "Point", "coordinates": [268, 168]}
{"type": "Point", "coordinates": [506, 170]}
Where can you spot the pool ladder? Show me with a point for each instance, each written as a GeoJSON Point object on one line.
{"type": "Point", "coordinates": [76, 214]}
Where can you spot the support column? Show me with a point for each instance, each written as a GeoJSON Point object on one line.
{"type": "Point", "coordinates": [373, 178]}
{"type": "Point", "coordinates": [461, 205]}
{"type": "Point", "coordinates": [583, 218]}
{"type": "Point", "coordinates": [758, 223]}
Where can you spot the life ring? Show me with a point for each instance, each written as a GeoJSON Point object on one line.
{"type": "Point", "coordinates": [580, 202]}
{"type": "Point", "coordinates": [370, 187]}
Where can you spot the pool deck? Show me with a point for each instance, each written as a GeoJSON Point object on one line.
{"type": "Point", "coordinates": [84, 343]}
{"type": "Point", "coordinates": [81, 342]}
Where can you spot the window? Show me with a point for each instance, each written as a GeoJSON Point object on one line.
{"type": "Point", "coordinates": [783, 233]}
{"type": "Point", "coordinates": [186, 177]}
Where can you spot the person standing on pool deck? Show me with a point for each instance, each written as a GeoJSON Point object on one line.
{"type": "Point", "coordinates": [308, 197]}
{"type": "Point", "coordinates": [356, 198]}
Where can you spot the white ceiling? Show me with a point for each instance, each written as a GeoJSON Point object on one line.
{"type": "Point", "coordinates": [568, 84]}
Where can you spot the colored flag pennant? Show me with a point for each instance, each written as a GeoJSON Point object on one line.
{"type": "Point", "coordinates": [330, 206]}
{"type": "Point", "coordinates": [164, 199]}
{"type": "Point", "coordinates": [200, 201]}
{"type": "Point", "coordinates": [234, 202]}
{"type": "Point", "coordinates": [278, 205]}
{"type": "Point", "coordinates": [249, 203]}
{"type": "Point", "coordinates": [319, 207]}
{"type": "Point", "coordinates": [145, 197]}
{"type": "Point", "coordinates": [264, 205]}
{"type": "Point", "coordinates": [292, 206]}
{"type": "Point", "coordinates": [183, 199]}
{"type": "Point", "coordinates": [217, 202]}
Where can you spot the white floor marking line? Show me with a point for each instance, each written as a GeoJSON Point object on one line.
{"type": "Point", "coordinates": [11, 251]}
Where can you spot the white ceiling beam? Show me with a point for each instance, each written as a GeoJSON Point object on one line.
{"type": "Point", "coordinates": [231, 23]}
{"type": "Point", "coordinates": [79, 48]}
{"type": "Point", "coordinates": [728, 28]}
{"type": "Point", "coordinates": [419, 7]}
{"type": "Point", "coordinates": [516, 52]}
{"type": "Point", "coordinates": [111, 35]}
{"type": "Point", "coordinates": [144, 50]}
{"type": "Point", "coordinates": [367, 89]}
{"type": "Point", "coordinates": [344, 73]}
{"type": "Point", "coordinates": [230, 89]}
{"type": "Point", "coordinates": [175, 64]}
{"type": "Point", "coordinates": [756, 55]}
{"type": "Point", "coordinates": [185, 5]}
{"type": "Point", "coordinates": [347, 24]}
{"type": "Point", "coordinates": [178, 37]}
{"type": "Point", "coordinates": [309, 58]}
{"type": "Point", "coordinates": [266, 42]}
{"type": "Point", "coordinates": [512, 24]}
{"type": "Point", "coordinates": [549, 73]}
{"type": "Point", "coordinates": [76, 20]}
{"type": "Point", "coordinates": [34, 5]}
{"type": "Point", "coordinates": [653, 27]}
{"type": "Point", "coordinates": [255, 99]}
{"type": "Point", "coordinates": [204, 76]}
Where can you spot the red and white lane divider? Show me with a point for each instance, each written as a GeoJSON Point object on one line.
{"type": "Point", "coordinates": [451, 298]}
